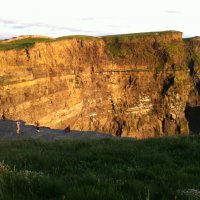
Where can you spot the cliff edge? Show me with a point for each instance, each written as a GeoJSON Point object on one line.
{"type": "Point", "coordinates": [135, 85]}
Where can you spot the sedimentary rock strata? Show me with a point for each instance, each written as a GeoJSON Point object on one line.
{"type": "Point", "coordinates": [140, 85]}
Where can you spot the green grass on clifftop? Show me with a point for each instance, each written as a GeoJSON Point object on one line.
{"type": "Point", "coordinates": [126, 38]}
{"type": "Point", "coordinates": [22, 43]}
{"type": "Point", "coordinates": [132, 36]}
{"type": "Point", "coordinates": [157, 169]}
{"type": "Point", "coordinates": [29, 42]}
{"type": "Point", "coordinates": [81, 37]}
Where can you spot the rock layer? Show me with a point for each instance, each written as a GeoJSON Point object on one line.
{"type": "Point", "coordinates": [132, 85]}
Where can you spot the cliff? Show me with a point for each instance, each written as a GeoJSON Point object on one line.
{"type": "Point", "coordinates": [137, 85]}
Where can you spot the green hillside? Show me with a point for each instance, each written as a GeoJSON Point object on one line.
{"type": "Point", "coordinates": [157, 169]}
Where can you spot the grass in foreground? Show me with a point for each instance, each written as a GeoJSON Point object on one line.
{"type": "Point", "coordinates": [157, 169]}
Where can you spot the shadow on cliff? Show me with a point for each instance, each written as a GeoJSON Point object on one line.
{"type": "Point", "coordinates": [193, 117]}
{"type": "Point", "coordinates": [8, 131]}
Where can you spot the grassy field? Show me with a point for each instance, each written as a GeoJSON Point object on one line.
{"type": "Point", "coordinates": [157, 169]}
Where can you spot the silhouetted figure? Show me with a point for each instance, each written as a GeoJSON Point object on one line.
{"type": "Point", "coordinates": [37, 126]}
{"type": "Point", "coordinates": [118, 133]}
{"type": "Point", "coordinates": [67, 129]}
{"type": "Point", "coordinates": [4, 116]}
{"type": "Point", "coordinates": [18, 127]}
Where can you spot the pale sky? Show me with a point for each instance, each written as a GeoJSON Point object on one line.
{"type": "Point", "coordinates": [57, 18]}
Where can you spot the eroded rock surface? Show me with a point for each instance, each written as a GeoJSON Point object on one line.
{"type": "Point", "coordinates": [135, 86]}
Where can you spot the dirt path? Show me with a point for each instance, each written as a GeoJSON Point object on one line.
{"type": "Point", "coordinates": [8, 131]}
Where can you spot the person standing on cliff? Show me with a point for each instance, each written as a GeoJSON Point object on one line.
{"type": "Point", "coordinates": [18, 127]}
{"type": "Point", "coordinates": [4, 116]}
{"type": "Point", "coordinates": [37, 126]}
{"type": "Point", "coordinates": [67, 129]}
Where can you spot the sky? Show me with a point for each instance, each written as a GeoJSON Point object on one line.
{"type": "Point", "coordinates": [57, 18]}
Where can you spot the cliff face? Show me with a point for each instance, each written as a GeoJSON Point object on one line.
{"type": "Point", "coordinates": [133, 85]}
